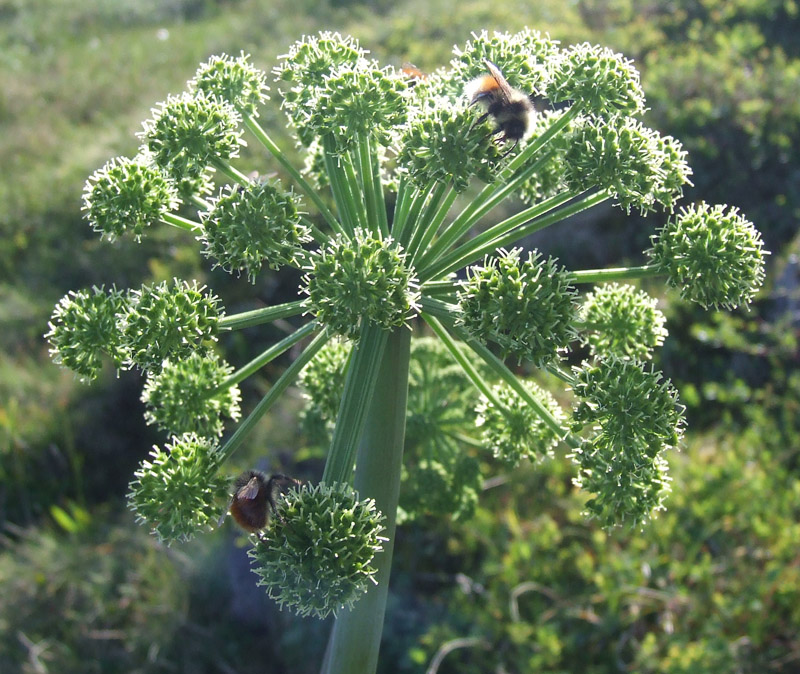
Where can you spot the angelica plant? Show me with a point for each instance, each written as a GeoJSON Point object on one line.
{"type": "Point", "coordinates": [386, 223]}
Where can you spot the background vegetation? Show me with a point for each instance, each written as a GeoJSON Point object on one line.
{"type": "Point", "coordinates": [713, 585]}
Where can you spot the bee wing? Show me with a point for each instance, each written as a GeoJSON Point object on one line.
{"type": "Point", "coordinates": [494, 71]}
{"type": "Point", "coordinates": [250, 490]}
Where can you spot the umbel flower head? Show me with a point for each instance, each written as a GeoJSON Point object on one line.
{"type": "Point", "coordinates": [179, 491]}
{"type": "Point", "coordinates": [253, 224]}
{"type": "Point", "coordinates": [365, 278]}
{"type": "Point", "coordinates": [168, 321]}
{"type": "Point", "coordinates": [188, 133]}
{"type": "Point", "coordinates": [621, 321]}
{"type": "Point", "coordinates": [335, 91]}
{"type": "Point", "coordinates": [639, 167]}
{"type": "Point", "coordinates": [713, 255]}
{"type": "Point", "coordinates": [317, 556]}
{"type": "Point", "coordinates": [83, 329]}
{"type": "Point", "coordinates": [128, 195]}
{"type": "Point", "coordinates": [527, 57]}
{"type": "Point", "coordinates": [185, 396]}
{"type": "Point", "coordinates": [603, 83]}
{"type": "Point", "coordinates": [526, 307]}
{"type": "Point", "coordinates": [234, 80]}
{"type": "Point", "coordinates": [635, 417]}
{"type": "Point", "coordinates": [440, 145]}
{"type": "Point", "coordinates": [512, 429]}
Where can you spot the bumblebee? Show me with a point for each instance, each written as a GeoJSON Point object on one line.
{"type": "Point", "coordinates": [412, 73]}
{"type": "Point", "coordinates": [253, 500]}
{"type": "Point", "coordinates": [512, 110]}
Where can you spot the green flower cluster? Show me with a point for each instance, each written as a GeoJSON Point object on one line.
{"type": "Point", "coordinates": [321, 381]}
{"type": "Point", "coordinates": [83, 329]}
{"type": "Point", "coordinates": [713, 256]}
{"type": "Point", "coordinates": [512, 429]}
{"type": "Point", "coordinates": [336, 91]}
{"type": "Point", "coordinates": [527, 58]}
{"type": "Point", "coordinates": [635, 417]}
{"type": "Point", "coordinates": [638, 166]}
{"type": "Point", "coordinates": [526, 307]}
{"type": "Point", "coordinates": [602, 83]}
{"type": "Point", "coordinates": [549, 176]}
{"type": "Point", "coordinates": [185, 396]}
{"type": "Point", "coordinates": [622, 321]}
{"type": "Point", "coordinates": [363, 279]}
{"type": "Point", "coordinates": [179, 492]}
{"type": "Point", "coordinates": [190, 132]}
{"type": "Point", "coordinates": [234, 80]}
{"type": "Point", "coordinates": [317, 556]}
{"type": "Point", "coordinates": [128, 195]}
{"type": "Point", "coordinates": [163, 321]}
{"type": "Point", "coordinates": [252, 224]}
{"type": "Point", "coordinates": [439, 145]}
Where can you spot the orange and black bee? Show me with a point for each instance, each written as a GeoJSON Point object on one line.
{"type": "Point", "coordinates": [412, 73]}
{"type": "Point", "coordinates": [253, 500]}
{"type": "Point", "coordinates": [512, 110]}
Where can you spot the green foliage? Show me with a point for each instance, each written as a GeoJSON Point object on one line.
{"type": "Point", "coordinates": [102, 600]}
{"type": "Point", "coordinates": [708, 586]}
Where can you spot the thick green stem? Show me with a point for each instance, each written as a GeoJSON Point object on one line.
{"type": "Point", "coordinates": [473, 254]}
{"type": "Point", "coordinates": [359, 386]}
{"type": "Point", "coordinates": [616, 274]}
{"type": "Point", "coordinates": [356, 636]}
{"type": "Point", "coordinates": [181, 223]}
{"type": "Point", "coordinates": [247, 319]}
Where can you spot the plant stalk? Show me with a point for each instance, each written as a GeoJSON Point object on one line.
{"type": "Point", "coordinates": [356, 635]}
